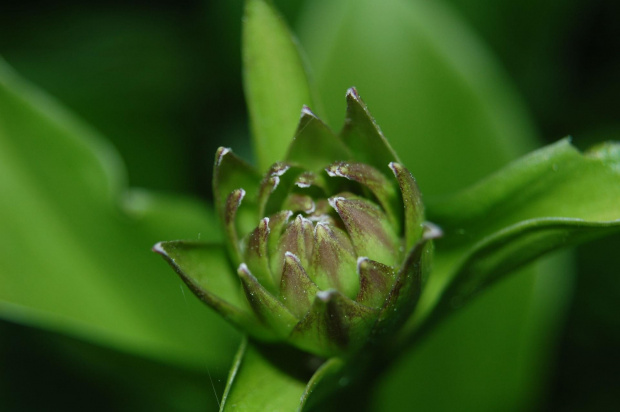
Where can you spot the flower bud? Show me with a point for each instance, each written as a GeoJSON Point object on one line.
{"type": "Point", "coordinates": [330, 245]}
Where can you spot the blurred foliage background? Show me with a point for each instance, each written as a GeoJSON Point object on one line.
{"type": "Point", "coordinates": [162, 82]}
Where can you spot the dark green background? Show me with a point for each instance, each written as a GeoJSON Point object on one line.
{"type": "Point", "coordinates": [161, 80]}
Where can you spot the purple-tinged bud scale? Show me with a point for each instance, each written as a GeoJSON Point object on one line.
{"type": "Point", "coordinates": [331, 244]}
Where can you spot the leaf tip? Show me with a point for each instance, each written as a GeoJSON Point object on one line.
{"type": "Point", "coordinates": [307, 112]}
{"type": "Point", "coordinates": [326, 295]}
{"type": "Point", "coordinates": [219, 155]}
{"type": "Point", "coordinates": [352, 93]}
{"type": "Point", "coordinates": [432, 231]}
{"type": "Point", "coordinates": [159, 249]}
{"type": "Point", "coordinates": [361, 262]}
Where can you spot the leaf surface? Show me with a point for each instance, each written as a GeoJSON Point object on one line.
{"type": "Point", "coordinates": [75, 245]}
{"type": "Point", "coordinates": [264, 379]}
{"type": "Point", "coordinates": [552, 198]}
{"type": "Point", "coordinates": [275, 83]}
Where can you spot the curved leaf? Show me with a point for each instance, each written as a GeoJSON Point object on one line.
{"type": "Point", "coordinates": [265, 378]}
{"type": "Point", "coordinates": [440, 98]}
{"type": "Point", "coordinates": [274, 378]}
{"type": "Point", "coordinates": [276, 87]}
{"type": "Point", "coordinates": [72, 260]}
{"type": "Point", "coordinates": [327, 379]}
{"type": "Point", "coordinates": [552, 198]}
{"type": "Point", "coordinates": [556, 180]}
{"type": "Point", "coordinates": [206, 271]}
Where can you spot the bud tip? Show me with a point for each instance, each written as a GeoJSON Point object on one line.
{"type": "Point", "coordinates": [157, 248]}
{"type": "Point", "coordinates": [325, 295]}
{"type": "Point", "coordinates": [221, 152]}
{"type": "Point", "coordinates": [361, 261]}
{"type": "Point", "coordinates": [291, 256]}
{"type": "Point", "coordinates": [244, 272]}
{"type": "Point", "coordinates": [305, 111]}
{"type": "Point", "coordinates": [333, 201]}
{"type": "Point", "coordinates": [352, 92]}
{"type": "Point", "coordinates": [432, 231]}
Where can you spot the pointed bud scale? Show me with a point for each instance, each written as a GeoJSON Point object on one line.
{"type": "Point", "coordinates": [335, 324]}
{"type": "Point", "coordinates": [405, 293]}
{"type": "Point", "coordinates": [277, 223]}
{"type": "Point", "coordinates": [232, 205]}
{"type": "Point", "coordinates": [256, 255]}
{"type": "Point", "coordinates": [269, 184]}
{"type": "Point", "coordinates": [298, 238]}
{"type": "Point", "coordinates": [299, 203]}
{"type": "Point", "coordinates": [230, 173]}
{"type": "Point", "coordinates": [363, 136]}
{"type": "Point", "coordinates": [376, 280]}
{"type": "Point", "coordinates": [192, 261]}
{"type": "Point", "coordinates": [370, 232]}
{"type": "Point", "coordinates": [309, 179]}
{"type": "Point", "coordinates": [379, 185]}
{"type": "Point", "coordinates": [333, 260]}
{"type": "Point", "coordinates": [322, 209]}
{"type": "Point", "coordinates": [267, 308]}
{"type": "Point", "coordinates": [314, 144]}
{"type": "Point", "coordinates": [412, 204]}
{"type": "Point", "coordinates": [296, 289]}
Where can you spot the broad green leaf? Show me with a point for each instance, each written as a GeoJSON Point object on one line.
{"type": "Point", "coordinates": [440, 99]}
{"type": "Point", "coordinates": [68, 373]}
{"type": "Point", "coordinates": [265, 378]}
{"type": "Point", "coordinates": [276, 87]}
{"type": "Point", "coordinates": [75, 255]}
{"type": "Point", "coordinates": [552, 198]}
{"type": "Point", "coordinates": [556, 180]}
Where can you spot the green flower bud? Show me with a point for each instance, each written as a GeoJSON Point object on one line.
{"type": "Point", "coordinates": [330, 246]}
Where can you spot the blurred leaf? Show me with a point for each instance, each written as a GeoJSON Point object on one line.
{"type": "Point", "coordinates": [552, 198]}
{"type": "Point", "coordinates": [276, 87]}
{"type": "Point", "coordinates": [72, 260]}
{"type": "Point", "coordinates": [68, 373]}
{"type": "Point", "coordinates": [452, 117]}
{"type": "Point", "coordinates": [141, 76]}
{"type": "Point", "coordinates": [439, 97]}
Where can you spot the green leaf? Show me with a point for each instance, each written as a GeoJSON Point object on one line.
{"type": "Point", "coordinates": [328, 378]}
{"type": "Point", "coordinates": [265, 378]}
{"type": "Point", "coordinates": [553, 181]}
{"type": "Point", "coordinates": [552, 198]}
{"type": "Point", "coordinates": [275, 378]}
{"type": "Point", "coordinates": [74, 254]}
{"type": "Point", "coordinates": [231, 173]}
{"type": "Point", "coordinates": [206, 270]}
{"type": "Point", "coordinates": [276, 87]}
{"type": "Point", "coordinates": [437, 94]}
